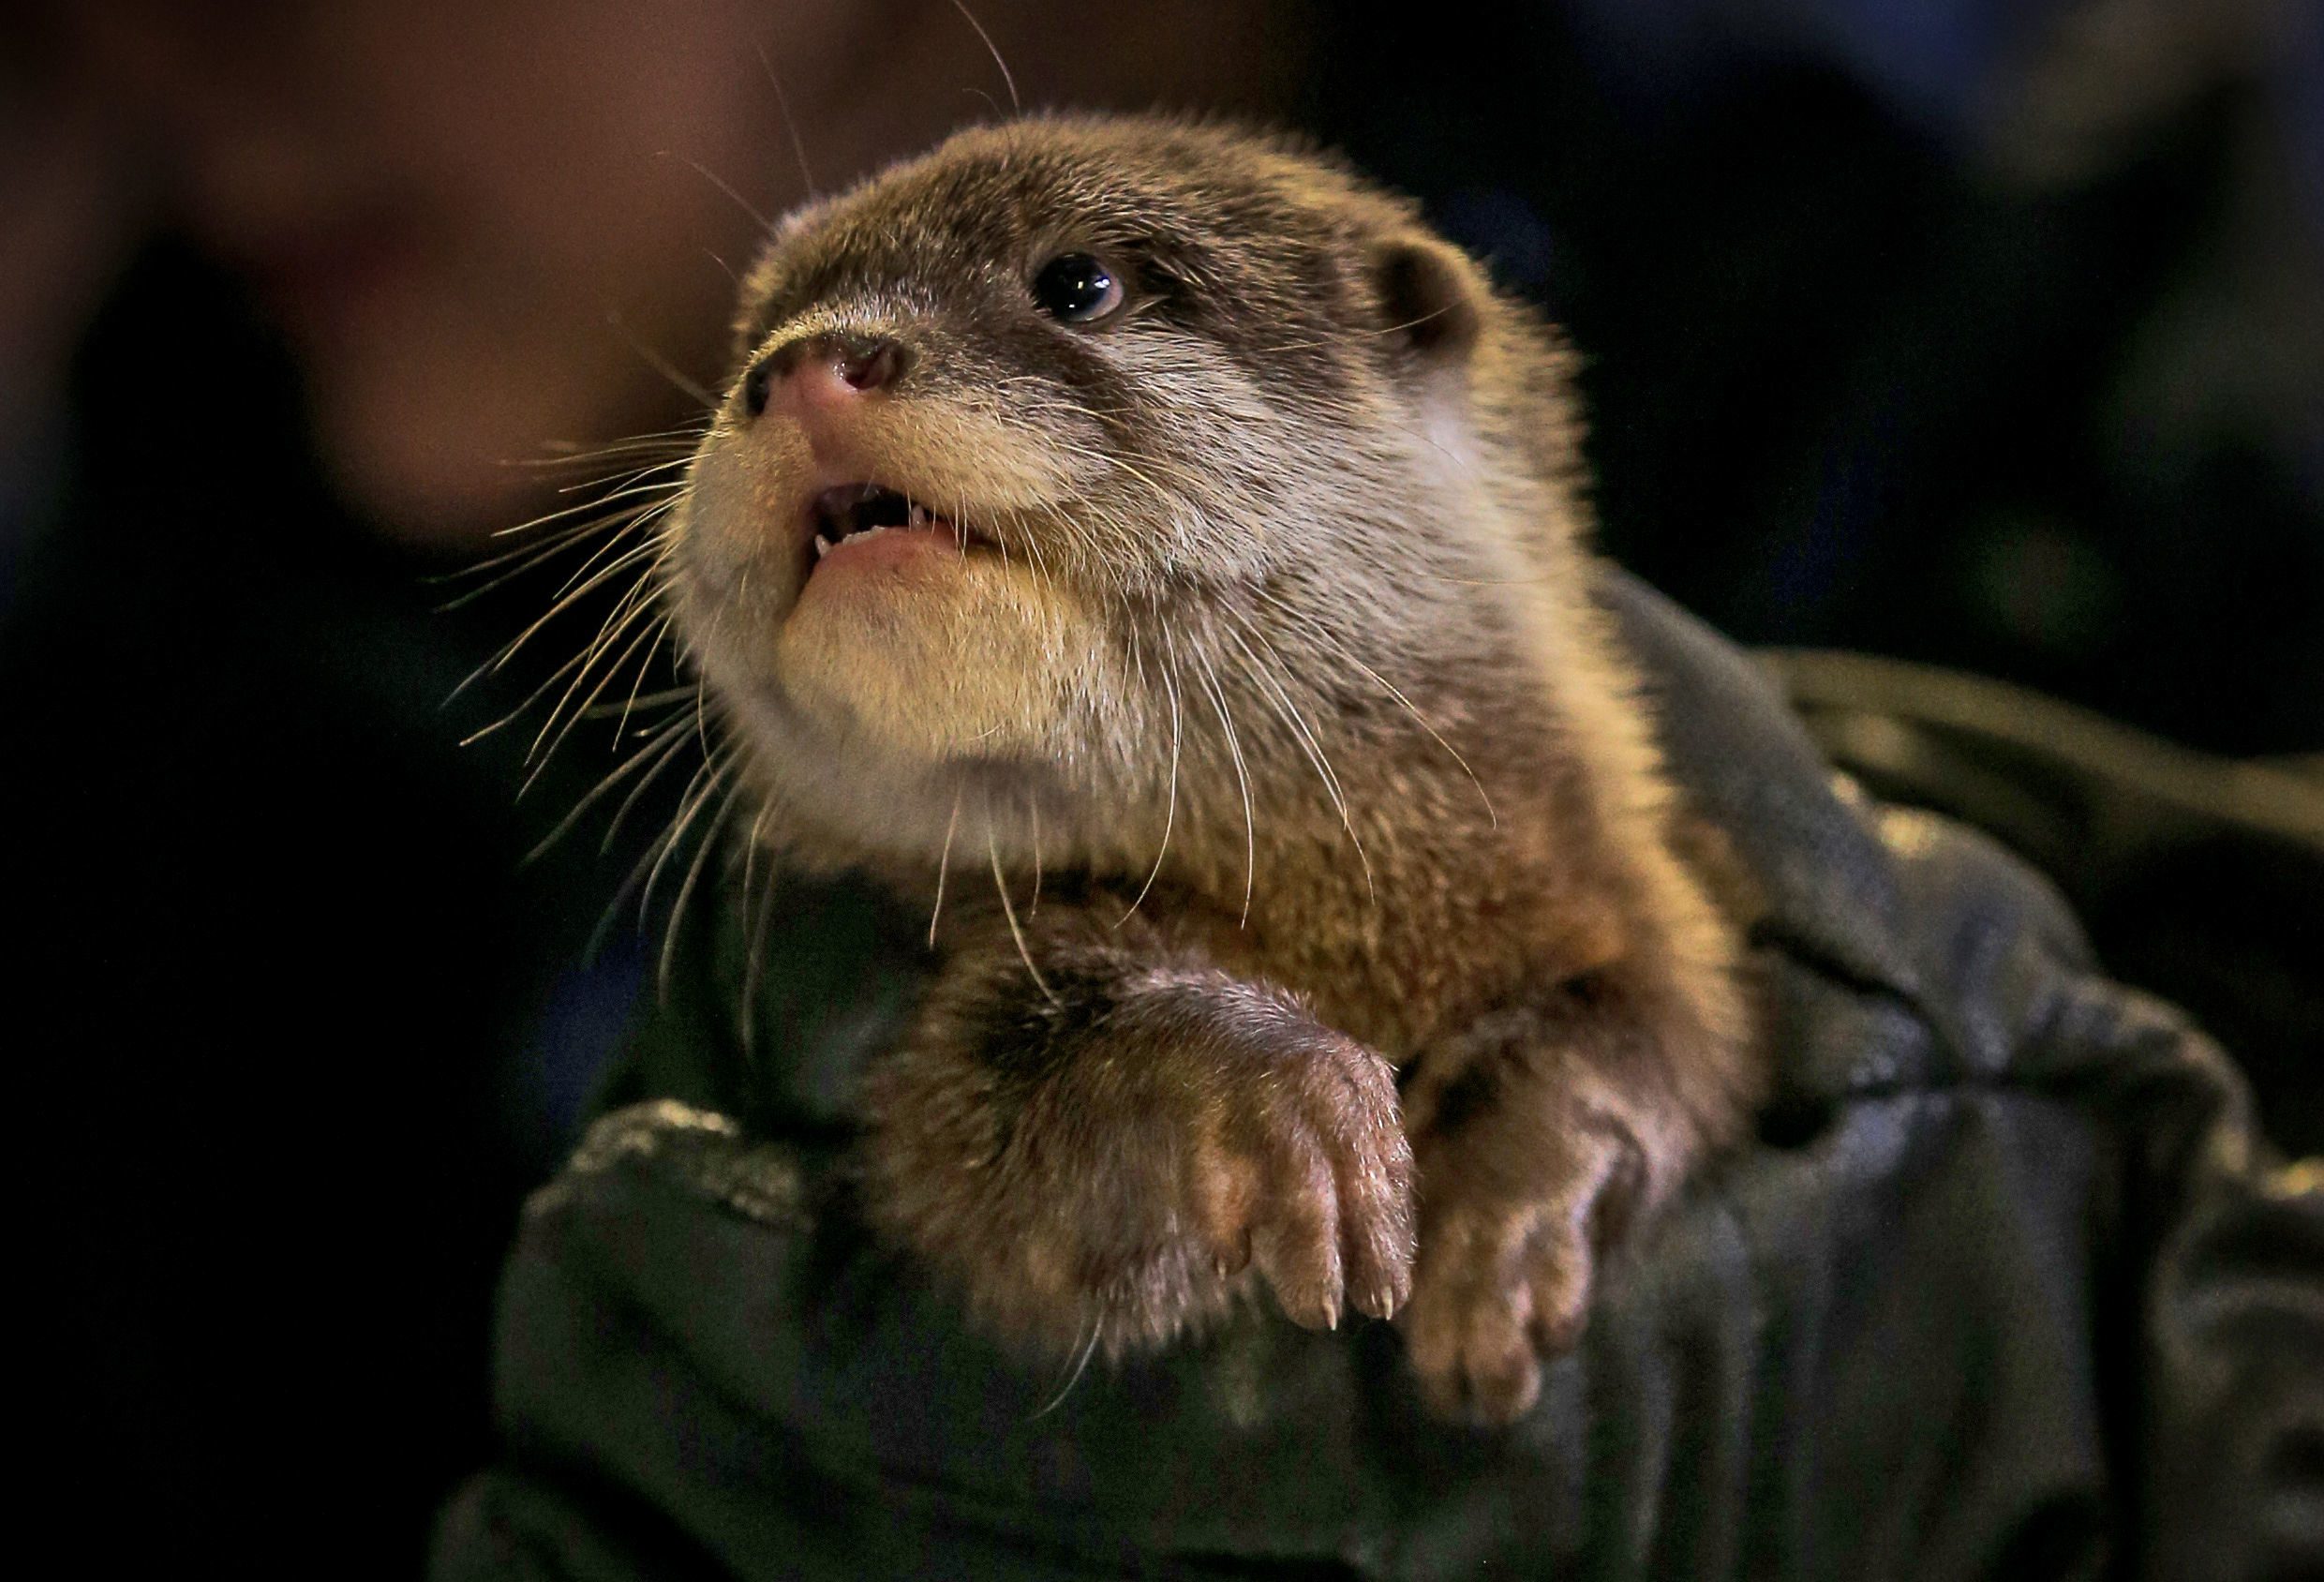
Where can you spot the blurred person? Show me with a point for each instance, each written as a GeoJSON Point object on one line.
{"type": "Point", "coordinates": [304, 1028]}
{"type": "Point", "coordinates": [481, 228]}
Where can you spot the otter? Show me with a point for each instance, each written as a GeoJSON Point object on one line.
{"type": "Point", "coordinates": [1160, 522]}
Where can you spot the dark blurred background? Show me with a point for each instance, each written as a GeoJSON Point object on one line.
{"type": "Point", "coordinates": [1984, 333]}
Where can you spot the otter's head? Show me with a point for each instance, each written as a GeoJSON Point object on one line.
{"type": "Point", "coordinates": [1056, 454]}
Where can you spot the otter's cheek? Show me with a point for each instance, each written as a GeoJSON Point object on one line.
{"type": "Point", "coordinates": [739, 538]}
{"type": "Point", "coordinates": [947, 655]}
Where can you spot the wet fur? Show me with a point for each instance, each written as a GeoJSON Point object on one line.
{"type": "Point", "coordinates": [1361, 958]}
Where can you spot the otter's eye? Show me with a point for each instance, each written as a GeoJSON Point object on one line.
{"type": "Point", "coordinates": [1076, 288]}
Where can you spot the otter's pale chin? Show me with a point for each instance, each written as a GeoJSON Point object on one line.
{"type": "Point", "coordinates": [922, 653]}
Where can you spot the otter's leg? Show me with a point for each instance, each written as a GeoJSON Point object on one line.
{"type": "Point", "coordinates": [1541, 1136]}
{"type": "Point", "coordinates": [1096, 1158]}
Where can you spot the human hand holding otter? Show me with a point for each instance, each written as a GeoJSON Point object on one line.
{"type": "Point", "coordinates": [1167, 522]}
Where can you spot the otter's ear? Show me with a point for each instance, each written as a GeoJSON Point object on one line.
{"type": "Point", "coordinates": [1431, 296]}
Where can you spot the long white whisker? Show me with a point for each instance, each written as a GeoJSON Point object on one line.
{"type": "Point", "coordinates": [690, 388]}
{"type": "Point", "coordinates": [607, 573]}
{"type": "Point", "coordinates": [1033, 814]}
{"type": "Point", "coordinates": [944, 865]}
{"type": "Point", "coordinates": [657, 748]}
{"type": "Point", "coordinates": [1006, 76]}
{"type": "Point", "coordinates": [632, 702]}
{"type": "Point", "coordinates": [1008, 910]}
{"type": "Point", "coordinates": [790, 123]}
{"type": "Point", "coordinates": [513, 564]}
{"type": "Point", "coordinates": [1391, 689]}
{"type": "Point", "coordinates": [707, 174]}
{"type": "Point", "coordinates": [657, 851]}
{"type": "Point", "coordinates": [1272, 690]}
{"type": "Point", "coordinates": [646, 633]}
{"type": "Point", "coordinates": [670, 752]}
{"type": "Point", "coordinates": [1088, 1349]}
{"type": "Point", "coordinates": [754, 970]}
{"type": "Point", "coordinates": [712, 775]}
{"type": "Point", "coordinates": [686, 889]}
{"type": "Point", "coordinates": [1169, 816]}
{"type": "Point", "coordinates": [1243, 780]}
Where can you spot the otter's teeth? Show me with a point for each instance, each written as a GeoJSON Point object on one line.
{"type": "Point", "coordinates": [918, 516]}
{"type": "Point", "coordinates": [823, 546]}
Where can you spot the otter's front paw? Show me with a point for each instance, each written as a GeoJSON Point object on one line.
{"type": "Point", "coordinates": [1117, 1198]}
{"type": "Point", "coordinates": [1297, 1165]}
{"type": "Point", "coordinates": [1510, 1239]}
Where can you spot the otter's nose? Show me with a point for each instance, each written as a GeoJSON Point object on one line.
{"type": "Point", "coordinates": [820, 369]}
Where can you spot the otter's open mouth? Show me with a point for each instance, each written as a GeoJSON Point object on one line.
{"type": "Point", "coordinates": [852, 511]}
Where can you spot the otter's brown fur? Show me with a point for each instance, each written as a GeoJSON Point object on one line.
{"type": "Point", "coordinates": [1334, 922]}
